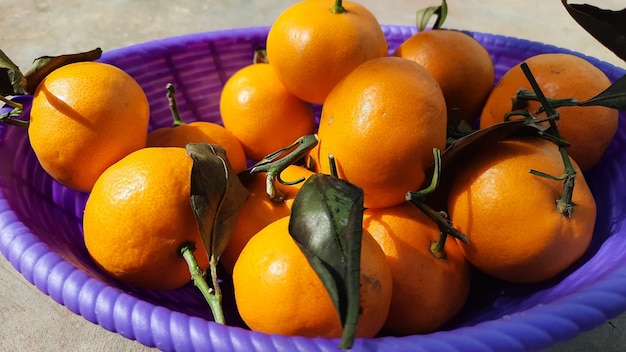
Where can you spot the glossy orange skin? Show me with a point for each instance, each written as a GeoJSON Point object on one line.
{"type": "Point", "coordinates": [138, 215]}
{"type": "Point", "coordinates": [381, 124]}
{"type": "Point", "coordinates": [261, 113]}
{"type": "Point", "coordinates": [200, 132]}
{"type": "Point", "coordinates": [277, 291]}
{"type": "Point", "coordinates": [427, 291]}
{"type": "Point", "coordinates": [260, 210]}
{"type": "Point", "coordinates": [509, 215]}
{"type": "Point", "coordinates": [313, 48]}
{"type": "Point", "coordinates": [86, 116]}
{"type": "Point", "coordinates": [460, 64]}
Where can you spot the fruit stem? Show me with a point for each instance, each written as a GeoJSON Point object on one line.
{"type": "Point", "coordinates": [171, 98]}
{"type": "Point", "coordinates": [274, 163]}
{"type": "Point", "coordinates": [213, 296]}
{"type": "Point", "coordinates": [524, 95]}
{"type": "Point", "coordinates": [17, 111]}
{"type": "Point", "coordinates": [457, 128]}
{"type": "Point", "coordinates": [260, 56]}
{"type": "Point", "coordinates": [439, 217]}
{"type": "Point", "coordinates": [564, 204]}
{"type": "Point", "coordinates": [332, 165]}
{"type": "Point", "coordinates": [12, 103]}
{"type": "Point", "coordinates": [338, 7]}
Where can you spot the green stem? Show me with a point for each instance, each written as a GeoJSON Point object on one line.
{"type": "Point", "coordinates": [12, 103]}
{"type": "Point", "coordinates": [17, 111]}
{"type": "Point", "coordinates": [332, 165]}
{"type": "Point", "coordinates": [273, 164]}
{"type": "Point", "coordinates": [171, 98]}
{"type": "Point", "coordinates": [338, 7]}
{"type": "Point", "coordinates": [445, 228]}
{"type": "Point", "coordinates": [213, 296]}
{"type": "Point", "coordinates": [440, 218]}
{"type": "Point", "coordinates": [564, 204]}
{"type": "Point", "coordinates": [457, 128]}
{"type": "Point", "coordinates": [14, 122]}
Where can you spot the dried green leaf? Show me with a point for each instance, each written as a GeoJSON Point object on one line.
{"type": "Point", "coordinates": [216, 195]}
{"type": "Point", "coordinates": [606, 26]}
{"type": "Point", "coordinates": [11, 78]}
{"type": "Point", "coordinates": [42, 66]}
{"type": "Point", "coordinates": [326, 223]}
{"type": "Point", "coordinates": [426, 14]}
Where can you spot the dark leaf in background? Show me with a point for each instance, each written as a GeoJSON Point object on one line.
{"type": "Point", "coordinates": [326, 223]}
{"type": "Point", "coordinates": [607, 26]}
{"type": "Point", "coordinates": [11, 79]}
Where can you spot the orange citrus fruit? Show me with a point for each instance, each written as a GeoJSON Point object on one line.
{"type": "Point", "coordinates": [590, 129]}
{"type": "Point", "coordinates": [200, 132]}
{"type": "Point", "coordinates": [291, 174]}
{"type": "Point", "coordinates": [312, 47]}
{"type": "Point", "coordinates": [86, 116]}
{"type": "Point", "coordinates": [460, 64]}
{"type": "Point", "coordinates": [510, 216]}
{"type": "Point", "coordinates": [427, 291]}
{"type": "Point", "coordinates": [260, 210]}
{"type": "Point", "coordinates": [261, 113]}
{"type": "Point", "coordinates": [278, 292]}
{"type": "Point", "coordinates": [138, 215]}
{"type": "Point", "coordinates": [381, 124]}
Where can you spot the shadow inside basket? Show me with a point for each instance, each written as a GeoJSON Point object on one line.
{"type": "Point", "coordinates": [53, 213]}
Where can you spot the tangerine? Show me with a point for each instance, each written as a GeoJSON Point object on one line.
{"type": "Point", "coordinates": [460, 64]}
{"type": "Point", "coordinates": [138, 215]}
{"type": "Point", "coordinates": [510, 216]}
{"type": "Point", "coordinates": [381, 124]}
{"type": "Point", "coordinates": [427, 290]}
{"type": "Point", "coordinates": [588, 129]}
{"type": "Point", "coordinates": [200, 132]}
{"type": "Point", "coordinates": [278, 292]}
{"type": "Point", "coordinates": [86, 116]}
{"type": "Point", "coordinates": [260, 210]}
{"type": "Point", "coordinates": [314, 44]}
{"type": "Point", "coordinates": [261, 113]}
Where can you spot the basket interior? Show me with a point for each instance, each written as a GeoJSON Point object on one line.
{"type": "Point", "coordinates": [199, 65]}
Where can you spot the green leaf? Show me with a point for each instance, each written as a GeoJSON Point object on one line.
{"type": "Point", "coordinates": [216, 195]}
{"type": "Point", "coordinates": [426, 14]}
{"type": "Point", "coordinates": [11, 78]}
{"type": "Point", "coordinates": [44, 65]}
{"type": "Point", "coordinates": [613, 97]}
{"type": "Point", "coordinates": [606, 26]}
{"type": "Point", "coordinates": [326, 223]}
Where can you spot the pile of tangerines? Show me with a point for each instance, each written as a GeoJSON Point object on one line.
{"type": "Point", "coordinates": [382, 116]}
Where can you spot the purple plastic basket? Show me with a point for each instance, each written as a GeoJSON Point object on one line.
{"type": "Point", "coordinates": [41, 231]}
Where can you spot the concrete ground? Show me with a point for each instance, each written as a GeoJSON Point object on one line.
{"type": "Point", "coordinates": [32, 28]}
